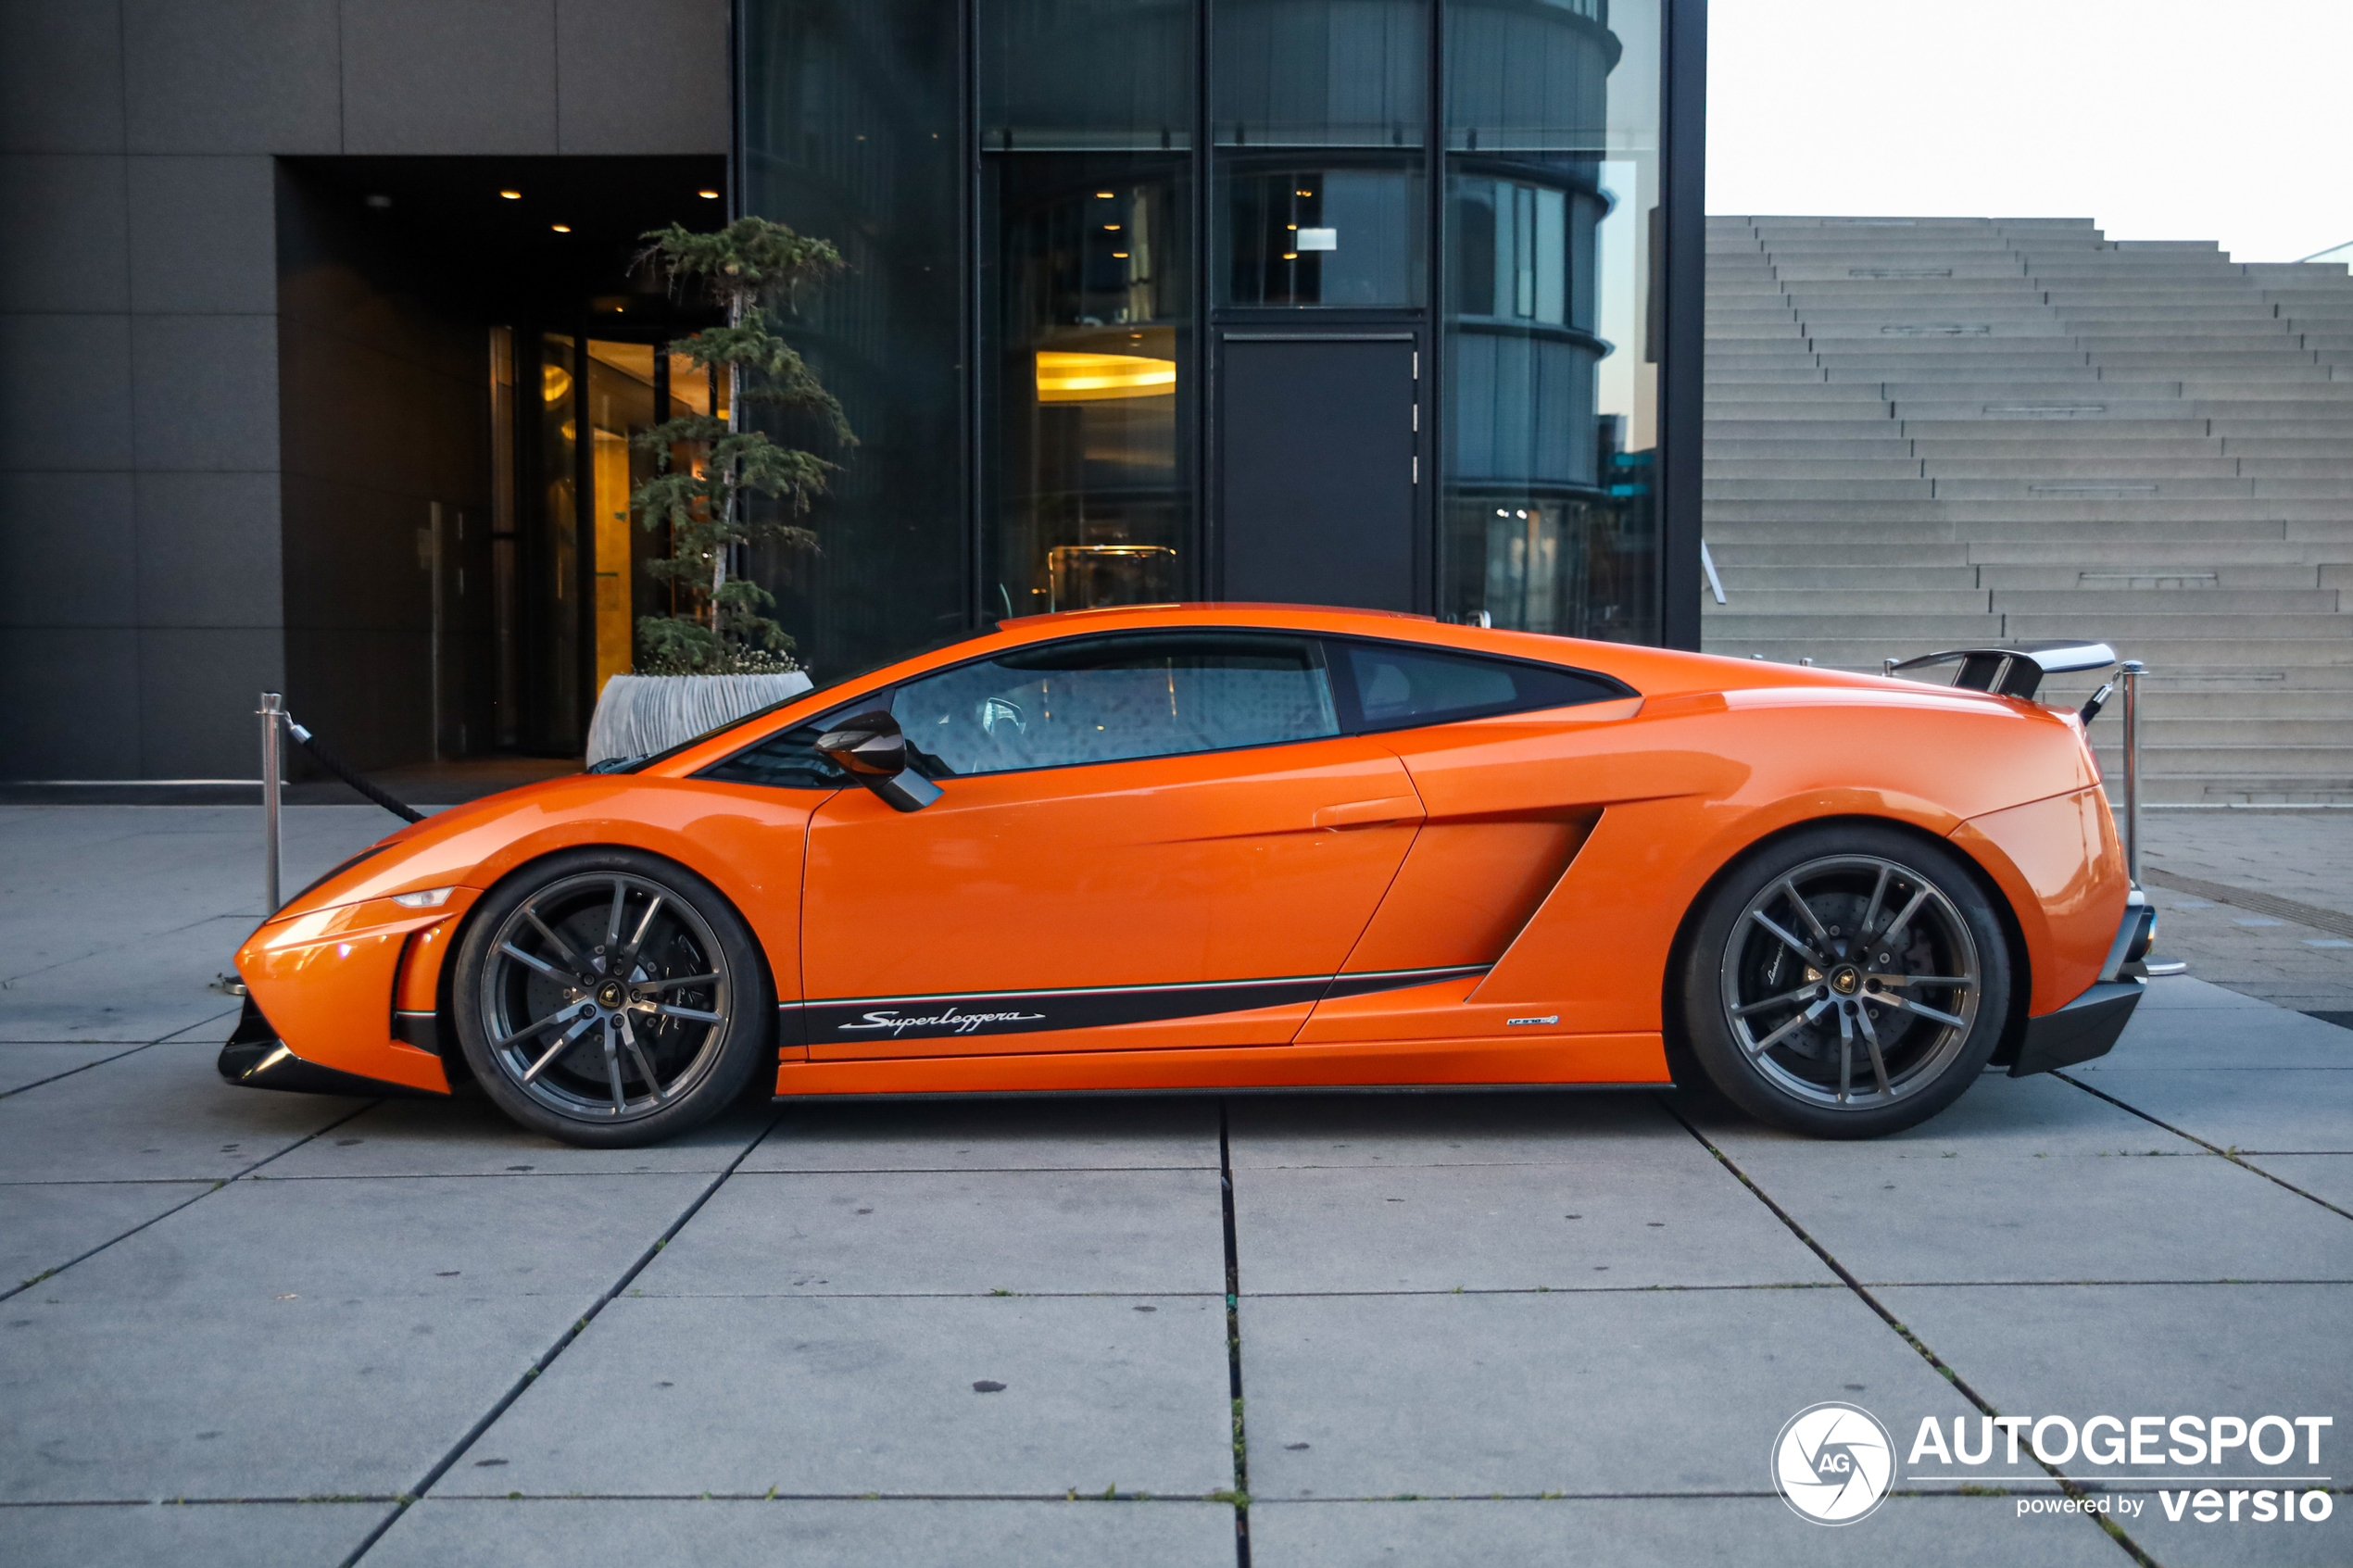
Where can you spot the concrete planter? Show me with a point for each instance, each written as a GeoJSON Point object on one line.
{"type": "Point", "coordinates": [639, 714]}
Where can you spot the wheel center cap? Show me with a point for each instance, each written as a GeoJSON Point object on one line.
{"type": "Point", "coordinates": [611, 994]}
{"type": "Point", "coordinates": [1846, 980]}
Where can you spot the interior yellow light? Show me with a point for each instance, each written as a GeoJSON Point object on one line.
{"type": "Point", "coordinates": [1065, 376]}
{"type": "Point", "coordinates": [1112, 227]}
{"type": "Point", "coordinates": [555, 382]}
{"type": "Point", "coordinates": [512, 196]}
{"type": "Point", "coordinates": [707, 195]}
{"type": "Point", "coordinates": [560, 227]}
{"type": "Point", "coordinates": [1106, 196]}
{"type": "Point", "coordinates": [1119, 255]}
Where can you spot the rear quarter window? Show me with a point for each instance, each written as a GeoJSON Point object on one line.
{"type": "Point", "coordinates": [1399, 685]}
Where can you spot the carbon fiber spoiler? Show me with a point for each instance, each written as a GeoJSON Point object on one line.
{"type": "Point", "coordinates": [2015, 669]}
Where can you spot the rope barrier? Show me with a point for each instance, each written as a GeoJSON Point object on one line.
{"type": "Point", "coordinates": [335, 765]}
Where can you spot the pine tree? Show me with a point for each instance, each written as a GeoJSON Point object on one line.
{"type": "Point", "coordinates": [753, 267]}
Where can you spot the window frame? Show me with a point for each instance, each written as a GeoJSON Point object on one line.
{"type": "Point", "coordinates": [881, 696]}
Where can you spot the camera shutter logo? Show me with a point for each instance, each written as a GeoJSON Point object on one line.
{"type": "Point", "coordinates": [1833, 1464]}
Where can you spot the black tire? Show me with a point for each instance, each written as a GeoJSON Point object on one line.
{"type": "Point", "coordinates": [611, 1060]}
{"type": "Point", "coordinates": [1791, 1040]}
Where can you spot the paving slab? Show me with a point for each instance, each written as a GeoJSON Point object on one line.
{"type": "Point", "coordinates": [140, 988]}
{"type": "Point", "coordinates": [1079, 1133]}
{"type": "Point", "coordinates": [158, 1115]}
{"type": "Point", "coordinates": [305, 1338]}
{"type": "Point", "coordinates": [1443, 1127]}
{"type": "Point", "coordinates": [2326, 1176]}
{"type": "Point", "coordinates": [1893, 1215]}
{"type": "Point", "coordinates": [2290, 1111]}
{"type": "Point", "coordinates": [903, 1533]}
{"type": "Point", "coordinates": [2245, 1350]}
{"type": "Point", "coordinates": [1998, 1115]}
{"type": "Point", "coordinates": [1639, 1391]}
{"type": "Point", "coordinates": [23, 1065]}
{"type": "Point", "coordinates": [954, 1232]}
{"type": "Point", "coordinates": [156, 901]}
{"type": "Point", "coordinates": [253, 1534]}
{"type": "Point", "coordinates": [469, 1136]}
{"type": "Point", "coordinates": [48, 1224]}
{"type": "Point", "coordinates": [835, 1396]}
{"type": "Point", "coordinates": [1753, 1532]}
{"type": "Point", "coordinates": [1628, 1213]}
{"type": "Point", "coordinates": [2257, 1035]}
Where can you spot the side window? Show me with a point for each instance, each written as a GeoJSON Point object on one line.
{"type": "Point", "coordinates": [1109, 699]}
{"type": "Point", "coordinates": [1399, 685]}
{"type": "Point", "coordinates": [789, 759]}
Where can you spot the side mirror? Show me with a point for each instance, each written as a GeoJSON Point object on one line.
{"type": "Point", "coordinates": [870, 748]}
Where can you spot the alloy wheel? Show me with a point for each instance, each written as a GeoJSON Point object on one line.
{"type": "Point", "coordinates": [606, 997]}
{"type": "Point", "coordinates": [1851, 982]}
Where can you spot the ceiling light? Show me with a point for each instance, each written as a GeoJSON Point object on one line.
{"type": "Point", "coordinates": [1111, 228]}
{"type": "Point", "coordinates": [707, 195]}
{"type": "Point", "coordinates": [1064, 376]}
{"type": "Point", "coordinates": [1290, 256]}
{"type": "Point", "coordinates": [1105, 196]}
{"type": "Point", "coordinates": [560, 227]}
{"type": "Point", "coordinates": [512, 196]}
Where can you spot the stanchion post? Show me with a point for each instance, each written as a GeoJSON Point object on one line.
{"type": "Point", "coordinates": [273, 717]}
{"type": "Point", "coordinates": [2132, 669]}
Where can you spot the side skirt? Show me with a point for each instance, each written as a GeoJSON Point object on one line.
{"type": "Point", "coordinates": [1591, 1060]}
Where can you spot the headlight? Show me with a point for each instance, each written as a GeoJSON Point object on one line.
{"type": "Point", "coordinates": [431, 898]}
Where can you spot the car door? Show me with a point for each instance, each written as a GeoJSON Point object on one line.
{"type": "Point", "coordinates": [1493, 746]}
{"type": "Point", "coordinates": [1143, 840]}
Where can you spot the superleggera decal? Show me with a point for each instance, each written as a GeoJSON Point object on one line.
{"type": "Point", "coordinates": [956, 1022]}
{"type": "Point", "coordinates": [1023, 1013]}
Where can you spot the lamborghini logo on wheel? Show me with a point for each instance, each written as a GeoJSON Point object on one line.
{"type": "Point", "coordinates": [1833, 1462]}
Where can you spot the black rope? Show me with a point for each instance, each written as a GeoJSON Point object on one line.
{"type": "Point", "coordinates": [336, 766]}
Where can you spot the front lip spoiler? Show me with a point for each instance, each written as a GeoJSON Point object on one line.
{"type": "Point", "coordinates": [256, 1059]}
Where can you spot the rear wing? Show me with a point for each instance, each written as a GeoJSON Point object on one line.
{"type": "Point", "coordinates": [2014, 669]}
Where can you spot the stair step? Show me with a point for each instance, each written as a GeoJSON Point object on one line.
{"type": "Point", "coordinates": [2204, 603]}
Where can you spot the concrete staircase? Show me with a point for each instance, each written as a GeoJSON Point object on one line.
{"type": "Point", "coordinates": [1929, 432]}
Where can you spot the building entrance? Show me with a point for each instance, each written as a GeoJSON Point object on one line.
{"type": "Point", "coordinates": [1319, 437]}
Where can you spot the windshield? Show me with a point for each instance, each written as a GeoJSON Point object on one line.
{"type": "Point", "coordinates": [638, 764]}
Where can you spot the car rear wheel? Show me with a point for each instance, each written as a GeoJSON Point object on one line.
{"type": "Point", "coordinates": [1847, 982]}
{"type": "Point", "coordinates": [610, 998]}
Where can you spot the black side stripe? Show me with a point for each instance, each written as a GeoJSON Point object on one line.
{"type": "Point", "coordinates": [1028, 1012]}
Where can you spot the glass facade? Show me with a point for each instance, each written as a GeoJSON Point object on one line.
{"type": "Point", "coordinates": [1066, 218]}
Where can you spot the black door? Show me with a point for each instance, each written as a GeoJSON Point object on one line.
{"type": "Point", "coordinates": [1318, 455]}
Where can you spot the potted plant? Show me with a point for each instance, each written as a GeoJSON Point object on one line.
{"type": "Point", "coordinates": [721, 654]}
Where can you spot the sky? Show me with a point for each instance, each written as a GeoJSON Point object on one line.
{"type": "Point", "coordinates": [2224, 119]}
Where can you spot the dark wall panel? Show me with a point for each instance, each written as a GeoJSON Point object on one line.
{"type": "Point", "coordinates": [385, 412]}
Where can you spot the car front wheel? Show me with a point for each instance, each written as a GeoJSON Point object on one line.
{"type": "Point", "coordinates": [610, 998]}
{"type": "Point", "coordinates": [1847, 981]}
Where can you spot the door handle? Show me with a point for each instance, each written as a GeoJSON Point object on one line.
{"type": "Point", "coordinates": [1369, 813]}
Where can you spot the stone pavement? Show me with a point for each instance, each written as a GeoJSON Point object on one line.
{"type": "Point", "coordinates": [2259, 900]}
{"type": "Point", "coordinates": [261, 1329]}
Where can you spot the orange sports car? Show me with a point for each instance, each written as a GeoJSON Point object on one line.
{"type": "Point", "coordinates": [1218, 846]}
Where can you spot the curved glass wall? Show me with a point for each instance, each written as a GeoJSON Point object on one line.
{"type": "Point", "coordinates": [1548, 511]}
